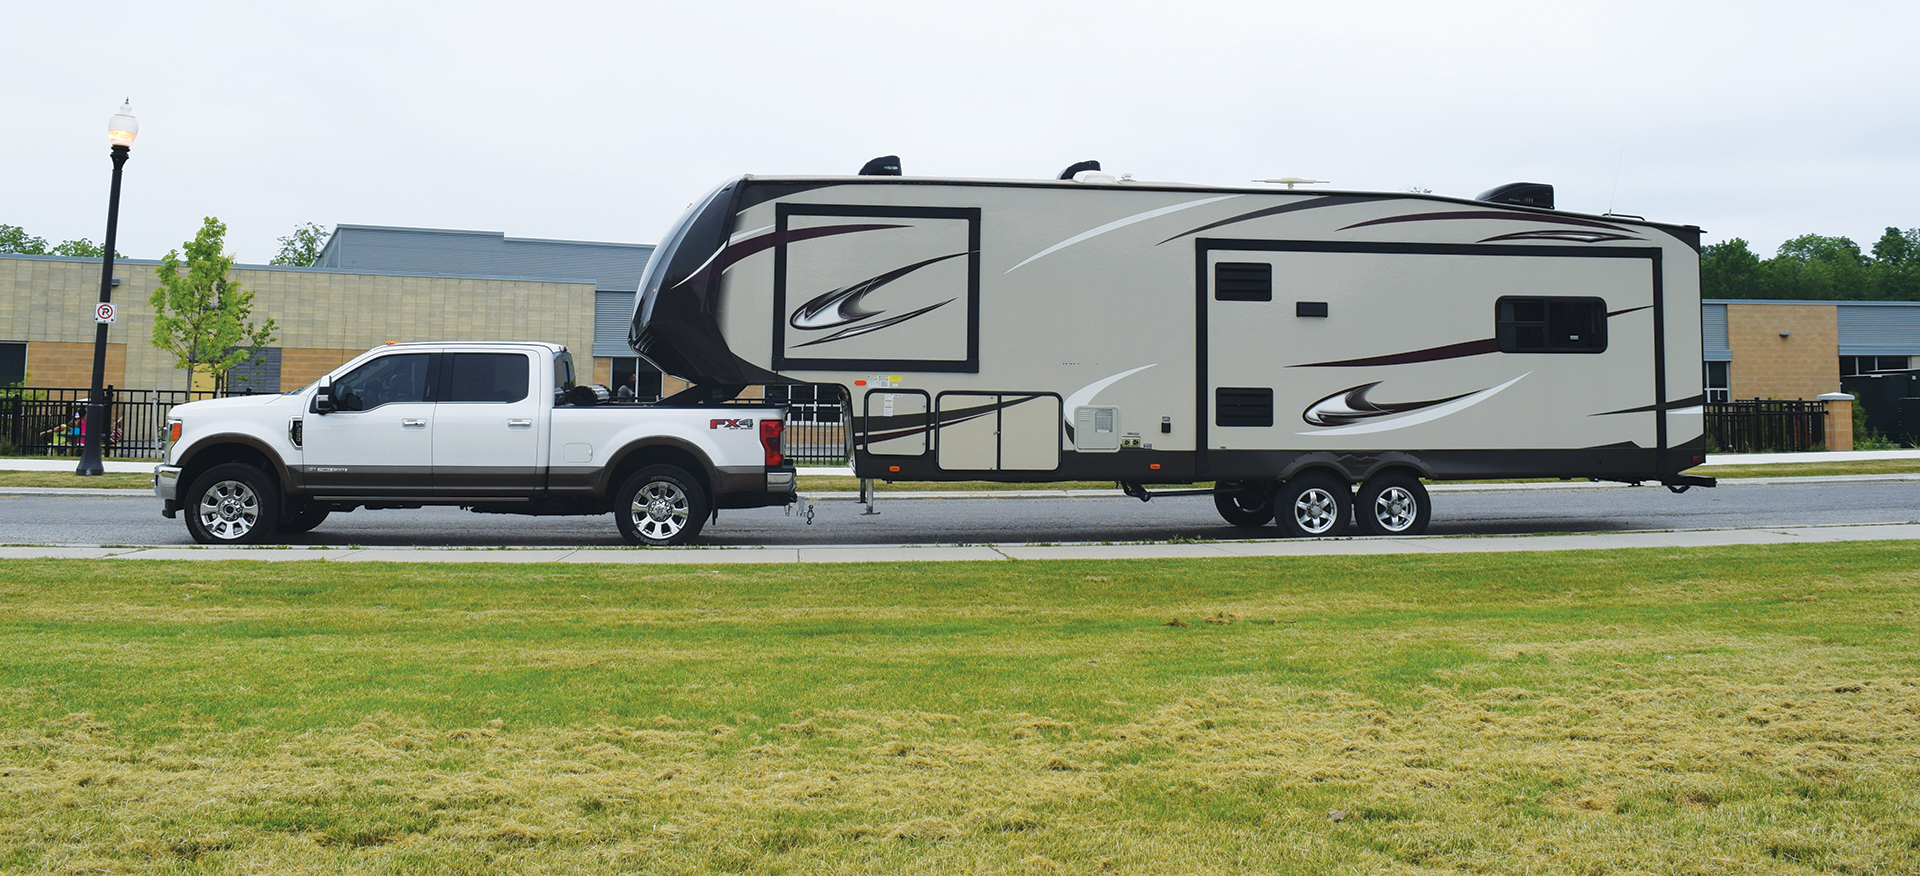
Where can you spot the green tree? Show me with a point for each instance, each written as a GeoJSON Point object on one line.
{"type": "Point", "coordinates": [200, 316]}
{"type": "Point", "coordinates": [82, 248]}
{"type": "Point", "coordinates": [302, 247]}
{"type": "Point", "coordinates": [1730, 270]}
{"type": "Point", "coordinates": [1896, 265]}
{"type": "Point", "coordinates": [15, 239]}
{"type": "Point", "coordinates": [1816, 267]}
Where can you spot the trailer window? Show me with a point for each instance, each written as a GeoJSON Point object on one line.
{"type": "Point", "coordinates": [1550, 325]}
{"type": "Point", "coordinates": [1243, 281]}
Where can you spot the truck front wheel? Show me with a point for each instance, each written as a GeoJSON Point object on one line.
{"type": "Point", "coordinates": [233, 503]}
{"type": "Point", "coordinates": [660, 506]}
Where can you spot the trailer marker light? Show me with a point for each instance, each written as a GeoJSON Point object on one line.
{"type": "Point", "coordinates": [893, 469]}
{"type": "Point", "coordinates": [859, 383]}
{"type": "Point", "coordinates": [1153, 465]}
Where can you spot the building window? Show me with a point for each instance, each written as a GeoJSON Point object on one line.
{"type": "Point", "coordinates": [13, 364]}
{"type": "Point", "coordinates": [1852, 365]}
{"type": "Point", "coordinates": [638, 376]}
{"type": "Point", "coordinates": [1550, 325]}
{"type": "Point", "coordinates": [261, 373]}
{"type": "Point", "coordinates": [1718, 383]}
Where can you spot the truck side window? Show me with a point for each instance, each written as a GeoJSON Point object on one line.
{"type": "Point", "coordinates": [1550, 325]}
{"type": "Point", "coordinates": [384, 381]}
{"type": "Point", "coordinates": [488, 377]}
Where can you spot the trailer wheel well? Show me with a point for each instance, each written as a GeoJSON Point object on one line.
{"type": "Point", "coordinates": [221, 454]}
{"type": "Point", "coordinates": [1391, 470]}
{"type": "Point", "coordinates": [1332, 471]}
{"type": "Point", "coordinates": [659, 455]}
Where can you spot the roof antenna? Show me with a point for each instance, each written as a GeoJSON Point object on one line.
{"type": "Point", "coordinates": [1616, 179]}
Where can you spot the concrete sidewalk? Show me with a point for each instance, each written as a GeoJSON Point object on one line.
{"type": "Point", "coordinates": [1424, 545]}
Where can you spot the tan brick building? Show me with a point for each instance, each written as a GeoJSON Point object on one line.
{"type": "Point", "coordinates": [466, 285]}
{"type": "Point", "coordinates": [1802, 349]}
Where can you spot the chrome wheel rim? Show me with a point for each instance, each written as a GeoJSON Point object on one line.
{"type": "Point", "coordinates": [1395, 509]}
{"type": "Point", "coordinates": [1316, 511]}
{"type": "Point", "coordinates": [659, 510]}
{"type": "Point", "coordinates": [229, 510]}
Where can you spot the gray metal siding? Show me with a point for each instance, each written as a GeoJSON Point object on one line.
{"type": "Point", "coordinates": [260, 373]}
{"type": "Point", "coordinates": [611, 266]}
{"type": "Point", "coordinates": [1879, 330]}
{"type": "Point", "coordinates": [1713, 334]}
{"type": "Point", "coordinates": [612, 312]}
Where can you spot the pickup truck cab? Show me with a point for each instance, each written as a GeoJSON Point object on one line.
{"type": "Point", "coordinates": [498, 427]}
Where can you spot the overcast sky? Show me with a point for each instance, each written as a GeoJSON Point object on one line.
{"type": "Point", "coordinates": [601, 121]}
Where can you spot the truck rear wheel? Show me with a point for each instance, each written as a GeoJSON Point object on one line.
{"type": "Point", "coordinates": [660, 506]}
{"type": "Point", "coordinates": [1246, 504]}
{"type": "Point", "coordinates": [1393, 504]}
{"type": "Point", "coordinates": [1313, 505]}
{"type": "Point", "coordinates": [233, 503]}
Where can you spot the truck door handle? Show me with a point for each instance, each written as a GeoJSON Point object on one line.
{"type": "Point", "coordinates": [519, 424]}
{"type": "Point", "coordinates": [413, 424]}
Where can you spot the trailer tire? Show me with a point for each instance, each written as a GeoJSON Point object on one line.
{"type": "Point", "coordinates": [1393, 504]}
{"type": "Point", "coordinates": [660, 506]}
{"type": "Point", "coordinates": [1313, 505]}
{"type": "Point", "coordinates": [233, 503]}
{"type": "Point", "coordinates": [1246, 504]}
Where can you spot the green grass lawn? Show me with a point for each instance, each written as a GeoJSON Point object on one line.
{"type": "Point", "coordinates": [1705, 711]}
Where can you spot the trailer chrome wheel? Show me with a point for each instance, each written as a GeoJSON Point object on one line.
{"type": "Point", "coordinates": [233, 503]}
{"type": "Point", "coordinates": [660, 505]}
{"type": "Point", "coordinates": [1313, 505]}
{"type": "Point", "coordinates": [1393, 504]}
{"type": "Point", "coordinates": [1249, 506]}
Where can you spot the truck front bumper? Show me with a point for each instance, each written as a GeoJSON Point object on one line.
{"type": "Point", "coordinates": [166, 485]}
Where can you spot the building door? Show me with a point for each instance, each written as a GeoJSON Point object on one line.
{"type": "Point", "coordinates": [379, 440]}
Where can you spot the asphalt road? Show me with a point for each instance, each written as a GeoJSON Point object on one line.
{"type": "Point", "coordinates": [134, 519]}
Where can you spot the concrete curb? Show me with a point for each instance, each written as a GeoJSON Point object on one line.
{"type": "Point", "coordinates": [1423, 545]}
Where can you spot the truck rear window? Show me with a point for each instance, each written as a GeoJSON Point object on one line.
{"type": "Point", "coordinates": [488, 377]}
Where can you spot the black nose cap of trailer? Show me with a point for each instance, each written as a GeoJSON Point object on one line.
{"type": "Point", "coordinates": [1525, 194]}
{"type": "Point", "coordinates": [885, 165]}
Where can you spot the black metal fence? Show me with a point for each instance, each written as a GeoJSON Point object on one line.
{"type": "Point", "coordinates": [50, 421]}
{"type": "Point", "coordinates": [1766, 425]}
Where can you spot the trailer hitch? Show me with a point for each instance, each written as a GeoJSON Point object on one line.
{"type": "Point", "coordinates": [1139, 491]}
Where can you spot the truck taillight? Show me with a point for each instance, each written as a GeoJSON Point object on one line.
{"type": "Point", "coordinates": [770, 432]}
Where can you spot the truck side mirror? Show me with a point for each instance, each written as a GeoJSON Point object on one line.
{"type": "Point", "coordinates": [323, 399]}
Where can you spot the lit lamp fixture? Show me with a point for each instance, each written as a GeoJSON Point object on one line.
{"type": "Point", "coordinates": [121, 129]}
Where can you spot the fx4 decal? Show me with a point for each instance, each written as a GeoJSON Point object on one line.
{"type": "Point", "coordinates": [730, 424]}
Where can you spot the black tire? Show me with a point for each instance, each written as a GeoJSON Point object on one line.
{"type": "Point", "coordinates": [1313, 505]}
{"type": "Point", "coordinates": [304, 519]}
{"type": "Point", "coordinates": [1249, 505]}
{"type": "Point", "coordinates": [660, 506]}
{"type": "Point", "coordinates": [233, 503]}
{"type": "Point", "coordinates": [1393, 504]}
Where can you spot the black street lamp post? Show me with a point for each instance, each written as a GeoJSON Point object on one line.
{"type": "Point", "coordinates": [121, 130]}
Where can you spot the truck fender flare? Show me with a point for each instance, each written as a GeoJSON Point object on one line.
{"type": "Point", "coordinates": [219, 439]}
{"type": "Point", "coordinates": [707, 472]}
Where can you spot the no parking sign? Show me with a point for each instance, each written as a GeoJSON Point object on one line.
{"type": "Point", "coordinates": [103, 313]}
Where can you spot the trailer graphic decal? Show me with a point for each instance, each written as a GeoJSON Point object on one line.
{"type": "Point", "coordinates": [844, 304]}
{"type": "Point", "coordinates": [1435, 354]}
{"type": "Point", "coordinates": [1352, 406]}
{"type": "Point", "coordinates": [1310, 203]}
{"type": "Point", "coordinates": [1427, 412]}
{"type": "Point", "coordinates": [1115, 224]}
{"type": "Point", "coordinates": [1486, 214]}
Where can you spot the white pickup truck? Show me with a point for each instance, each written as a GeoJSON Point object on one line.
{"type": "Point", "coordinates": [497, 427]}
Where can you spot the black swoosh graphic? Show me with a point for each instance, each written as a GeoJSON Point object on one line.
{"type": "Point", "coordinates": [1309, 204]}
{"type": "Point", "coordinates": [1434, 354]}
{"type": "Point", "coordinates": [845, 301]}
{"type": "Point", "coordinates": [1352, 406]}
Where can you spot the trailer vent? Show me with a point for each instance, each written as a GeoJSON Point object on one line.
{"type": "Point", "coordinates": [1242, 406]}
{"type": "Point", "coordinates": [1525, 194]}
{"type": "Point", "coordinates": [1243, 281]}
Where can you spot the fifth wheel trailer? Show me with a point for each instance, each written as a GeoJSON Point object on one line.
{"type": "Point", "coordinates": [1315, 352]}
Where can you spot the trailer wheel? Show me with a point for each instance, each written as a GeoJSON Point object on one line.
{"type": "Point", "coordinates": [1313, 505]}
{"type": "Point", "coordinates": [1393, 504]}
{"type": "Point", "coordinates": [1246, 504]}
{"type": "Point", "coordinates": [233, 503]}
{"type": "Point", "coordinates": [660, 506]}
